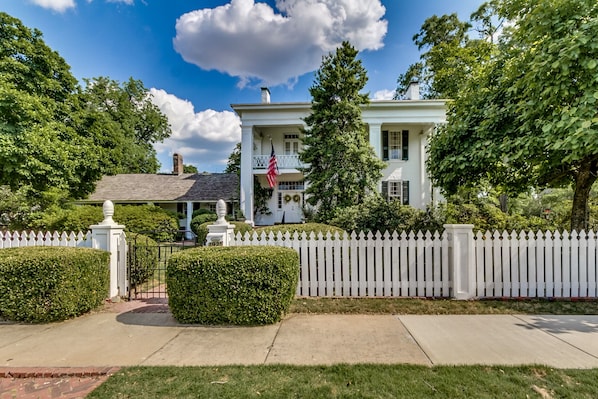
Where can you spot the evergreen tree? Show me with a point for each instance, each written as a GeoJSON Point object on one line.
{"type": "Point", "coordinates": [342, 164]}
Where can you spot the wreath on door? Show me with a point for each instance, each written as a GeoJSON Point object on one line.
{"type": "Point", "coordinates": [287, 198]}
{"type": "Point", "coordinates": [296, 197]}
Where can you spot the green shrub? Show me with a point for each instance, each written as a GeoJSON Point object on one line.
{"type": "Point", "coordinates": [378, 214]}
{"type": "Point", "coordinates": [43, 284]}
{"type": "Point", "coordinates": [300, 228]}
{"type": "Point", "coordinates": [143, 258]}
{"type": "Point", "coordinates": [232, 285]}
{"type": "Point", "coordinates": [78, 218]}
{"type": "Point", "coordinates": [149, 220]}
{"type": "Point", "coordinates": [200, 219]}
{"type": "Point", "coordinates": [201, 211]}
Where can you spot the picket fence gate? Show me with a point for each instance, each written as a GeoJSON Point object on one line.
{"type": "Point", "coordinates": [423, 264]}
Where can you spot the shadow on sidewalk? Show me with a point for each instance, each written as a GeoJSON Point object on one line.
{"type": "Point", "coordinates": [563, 324]}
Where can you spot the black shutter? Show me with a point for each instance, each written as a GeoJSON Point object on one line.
{"type": "Point", "coordinates": [385, 190]}
{"type": "Point", "coordinates": [385, 145]}
{"type": "Point", "coordinates": [405, 189]}
{"type": "Point", "coordinates": [405, 143]}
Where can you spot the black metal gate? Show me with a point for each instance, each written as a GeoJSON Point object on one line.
{"type": "Point", "coordinates": [147, 261]}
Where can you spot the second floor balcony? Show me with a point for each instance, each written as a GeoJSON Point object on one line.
{"type": "Point", "coordinates": [283, 161]}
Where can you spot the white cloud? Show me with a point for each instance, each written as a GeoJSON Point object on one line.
{"type": "Point", "coordinates": [128, 2]}
{"type": "Point", "coordinates": [55, 5]}
{"type": "Point", "coordinates": [384, 95]}
{"type": "Point", "coordinates": [204, 139]}
{"type": "Point", "coordinates": [253, 41]}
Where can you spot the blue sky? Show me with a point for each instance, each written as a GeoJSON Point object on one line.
{"type": "Point", "coordinates": [198, 57]}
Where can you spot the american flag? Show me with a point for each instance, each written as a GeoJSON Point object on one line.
{"type": "Point", "coordinates": [272, 169]}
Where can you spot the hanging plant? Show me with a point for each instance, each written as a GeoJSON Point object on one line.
{"type": "Point", "coordinates": [287, 198]}
{"type": "Point", "coordinates": [296, 198]}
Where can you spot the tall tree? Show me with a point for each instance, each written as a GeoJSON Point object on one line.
{"type": "Point", "coordinates": [123, 121]}
{"type": "Point", "coordinates": [343, 166]}
{"type": "Point", "coordinates": [449, 53]}
{"type": "Point", "coordinates": [528, 116]}
{"type": "Point", "coordinates": [39, 148]}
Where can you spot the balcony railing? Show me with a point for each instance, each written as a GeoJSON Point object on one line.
{"type": "Point", "coordinates": [283, 161]}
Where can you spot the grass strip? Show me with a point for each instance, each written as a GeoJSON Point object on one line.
{"type": "Point", "coordinates": [349, 381]}
{"type": "Point", "coordinates": [424, 306]}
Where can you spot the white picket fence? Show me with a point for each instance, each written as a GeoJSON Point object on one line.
{"type": "Point", "coordinates": [31, 238]}
{"type": "Point", "coordinates": [424, 264]}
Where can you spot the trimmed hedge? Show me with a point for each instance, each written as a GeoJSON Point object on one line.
{"type": "Point", "coordinates": [45, 284]}
{"type": "Point", "coordinates": [143, 258]}
{"type": "Point", "coordinates": [251, 285]}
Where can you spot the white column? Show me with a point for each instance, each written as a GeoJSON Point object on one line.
{"type": "Point", "coordinates": [376, 138]}
{"type": "Point", "coordinates": [108, 236]}
{"type": "Point", "coordinates": [461, 259]}
{"type": "Point", "coordinates": [246, 195]}
{"type": "Point", "coordinates": [188, 232]}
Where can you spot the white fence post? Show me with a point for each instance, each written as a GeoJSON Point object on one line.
{"type": "Point", "coordinates": [220, 233]}
{"type": "Point", "coordinates": [461, 259]}
{"type": "Point", "coordinates": [107, 236]}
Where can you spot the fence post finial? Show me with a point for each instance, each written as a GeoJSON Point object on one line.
{"type": "Point", "coordinates": [108, 209]}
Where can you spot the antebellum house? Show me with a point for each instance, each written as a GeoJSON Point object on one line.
{"type": "Point", "coordinates": [398, 131]}
{"type": "Point", "coordinates": [178, 192]}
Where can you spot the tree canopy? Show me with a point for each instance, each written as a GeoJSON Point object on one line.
{"type": "Point", "coordinates": [342, 164]}
{"type": "Point", "coordinates": [54, 135]}
{"type": "Point", "coordinates": [527, 115]}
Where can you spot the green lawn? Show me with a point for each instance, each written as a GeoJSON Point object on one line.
{"type": "Point", "coordinates": [345, 381]}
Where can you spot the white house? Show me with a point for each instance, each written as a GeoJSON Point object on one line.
{"type": "Point", "coordinates": [398, 131]}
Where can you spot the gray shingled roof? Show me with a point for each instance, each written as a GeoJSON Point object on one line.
{"type": "Point", "coordinates": [164, 187]}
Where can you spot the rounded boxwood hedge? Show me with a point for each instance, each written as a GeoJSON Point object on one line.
{"type": "Point", "coordinates": [44, 284]}
{"type": "Point", "coordinates": [252, 285]}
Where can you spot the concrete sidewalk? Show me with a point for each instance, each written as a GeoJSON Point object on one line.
{"type": "Point", "coordinates": [148, 335]}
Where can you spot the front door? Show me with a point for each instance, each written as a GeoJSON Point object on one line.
{"type": "Point", "coordinates": [291, 207]}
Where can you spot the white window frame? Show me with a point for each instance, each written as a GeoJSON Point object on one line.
{"type": "Point", "coordinates": [395, 145]}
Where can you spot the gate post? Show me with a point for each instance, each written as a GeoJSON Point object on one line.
{"type": "Point", "coordinates": [109, 236]}
{"type": "Point", "coordinates": [461, 259]}
{"type": "Point", "coordinates": [220, 233]}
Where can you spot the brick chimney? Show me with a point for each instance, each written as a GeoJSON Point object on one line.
{"type": "Point", "coordinates": [177, 160]}
{"type": "Point", "coordinates": [265, 95]}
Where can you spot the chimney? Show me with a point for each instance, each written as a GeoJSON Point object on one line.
{"type": "Point", "coordinates": [412, 92]}
{"type": "Point", "coordinates": [265, 95]}
{"type": "Point", "coordinates": [177, 160]}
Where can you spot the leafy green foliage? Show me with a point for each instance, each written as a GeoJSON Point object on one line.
{"type": "Point", "coordinates": [232, 285]}
{"type": "Point", "coordinates": [377, 214]}
{"type": "Point", "coordinates": [526, 117]}
{"type": "Point", "coordinates": [124, 124]}
{"type": "Point", "coordinates": [300, 228]}
{"type": "Point", "coordinates": [450, 56]}
{"type": "Point", "coordinates": [56, 136]}
{"type": "Point", "coordinates": [343, 166]}
{"type": "Point", "coordinates": [143, 258]}
{"type": "Point", "coordinates": [44, 284]}
{"type": "Point", "coordinates": [149, 220]}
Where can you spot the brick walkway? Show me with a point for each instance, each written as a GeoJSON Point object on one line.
{"type": "Point", "coordinates": [47, 383]}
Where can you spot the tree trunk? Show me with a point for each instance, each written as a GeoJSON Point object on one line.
{"type": "Point", "coordinates": [584, 179]}
{"type": "Point", "coordinates": [503, 201]}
